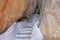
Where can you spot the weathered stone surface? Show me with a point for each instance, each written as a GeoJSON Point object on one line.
{"type": "Point", "coordinates": [10, 11]}
{"type": "Point", "coordinates": [50, 19]}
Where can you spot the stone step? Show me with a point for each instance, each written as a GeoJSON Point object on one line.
{"type": "Point", "coordinates": [25, 29]}
{"type": "Point", "coordinates": [23, 35]}
{"type": "Point", "coordinates": [22, 39]}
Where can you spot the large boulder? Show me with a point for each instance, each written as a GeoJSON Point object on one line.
{"type": "Point", "coordinates": [10, 11]}
{"type": "Point", "coordinates": [50, 19]}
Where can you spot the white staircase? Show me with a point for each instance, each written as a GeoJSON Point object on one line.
{"type": "Point", "coordinates": [24, 34]}
{"type": "Point", "coordinates": [24, 28]}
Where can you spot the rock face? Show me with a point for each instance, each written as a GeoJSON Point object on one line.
{"type": "Point", "coordinates": [10, 11]}
{"type": "Point", "coordinates": [31, 7]}
{"type": "Point", "coordinates": [50, 19]}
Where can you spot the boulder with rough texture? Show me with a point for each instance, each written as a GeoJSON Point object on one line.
{"type": "Point", "coordinates": [50, 19]}
{"type": "Point", "coordinates": [10, 11]}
